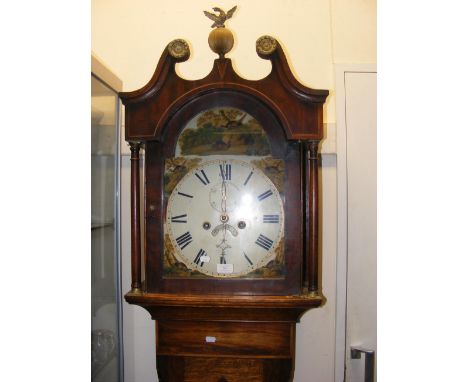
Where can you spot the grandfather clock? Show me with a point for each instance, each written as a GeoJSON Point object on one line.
{"type": "Point", "coordinates": [231, 214]}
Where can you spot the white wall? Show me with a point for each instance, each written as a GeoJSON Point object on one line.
{"type": "Point", "coordinates": [354, 27]}
{"type": "Point", "coordinates": [129, 36]}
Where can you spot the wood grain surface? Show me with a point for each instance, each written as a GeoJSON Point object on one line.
{"type": "Point", "coordinates": [240, 339]}
{"type": "Point", "coordinates": [251, 322]}
{"type": "Point", "coordinates": [222, 369]}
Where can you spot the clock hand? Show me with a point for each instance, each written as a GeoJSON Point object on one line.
{"type": "Point", "coordinates": [223, 194]}
{"type": "Point", "coordinates": [224, 216]}
{"type": "Point", "coordinates": [223, 245]}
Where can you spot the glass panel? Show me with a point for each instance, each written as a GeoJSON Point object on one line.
{"type": "Point", "coordinates": [104, 295]}
{"type": "Point", "coordinates": [223, 131]}
{"type": "Point", "coordinates": [223, 172]}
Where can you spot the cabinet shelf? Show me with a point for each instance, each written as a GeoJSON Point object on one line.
{"type": "Point", "coordinates": [100, 225]}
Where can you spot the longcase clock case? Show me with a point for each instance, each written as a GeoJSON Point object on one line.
{"type": "Point", "coordinates": [226, 328]}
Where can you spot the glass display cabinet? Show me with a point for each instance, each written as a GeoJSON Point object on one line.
{"type": "Point", "coordinates": [106, 309]}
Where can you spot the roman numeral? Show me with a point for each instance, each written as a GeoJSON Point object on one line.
{"type": "Point", "coordinates": [203, 178]}
{"type": "Point", "coordinates": [248, 178]}
{"type": "Point", "coordinates": [179, 219]}
{"type": "Point", "coordinates": [222, 260]}
{"type": "Point", "coordinates": [264, 242]}
{"type": "Point", "coordinates": [225, 171]}
{"type": "Point", "coordinates": [186, 195]}
{"type": "Point", "coordinates": [200, 253]}
{"type": "Point", "coordinates": [247, 258]}
{"type": "Point", "coordinates": [265, 195]}
{"type": "Point", "coordinates": [271, 218]}
{"type": "Point", "coordinates": [184, 240]}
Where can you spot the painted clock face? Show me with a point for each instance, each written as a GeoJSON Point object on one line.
{"type": "Point", "coordinates": [225, 218]}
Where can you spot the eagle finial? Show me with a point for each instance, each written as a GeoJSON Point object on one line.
{"type": "Point", "coordinates": [221, 18]}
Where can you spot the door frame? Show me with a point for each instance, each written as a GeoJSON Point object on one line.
{"type": "Point", "coordinates": [342, 212]}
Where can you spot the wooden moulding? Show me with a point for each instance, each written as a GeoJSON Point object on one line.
{"type": "Point", "coordinates": [225, 308]}
{"type": "Point", "coordinates": [298, 108]}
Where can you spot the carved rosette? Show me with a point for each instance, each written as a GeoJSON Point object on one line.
{"type": "Point", "coordinates": [178, 49]}
{"type": "Point", "coordinates": [266, 45]}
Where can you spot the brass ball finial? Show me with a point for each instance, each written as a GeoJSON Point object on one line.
{"type": "Point", "coordinates": [220, 39]}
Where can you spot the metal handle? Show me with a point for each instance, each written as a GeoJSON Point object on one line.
{"type": "Point", "coordinates": [369, 362]}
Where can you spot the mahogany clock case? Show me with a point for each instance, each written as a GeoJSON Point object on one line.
{"type": "Point", "coordinates": [157, 152]}
{"type": "Point", "coordinates": [291, 116]}
{"type": "Point", "coordinates": [252, 319]}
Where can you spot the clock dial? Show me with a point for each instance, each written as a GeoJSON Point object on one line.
{"type": "Point", "coordinates": [225, 218]}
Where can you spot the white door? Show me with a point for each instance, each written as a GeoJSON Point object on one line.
{"type": "Point", "coordinates": [357, 226]}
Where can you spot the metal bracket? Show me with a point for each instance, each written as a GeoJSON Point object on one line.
{"type": "Point", "coordinates": [369, 362]}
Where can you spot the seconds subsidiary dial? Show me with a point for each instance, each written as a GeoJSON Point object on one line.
{"type": "Point", "coordinates": [225, 218]}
